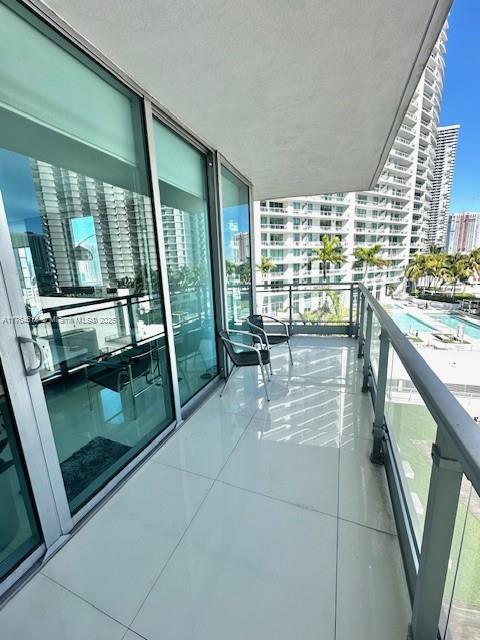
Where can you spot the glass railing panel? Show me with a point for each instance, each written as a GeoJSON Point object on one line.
{"type": "Point", "coordinates": [375, 345]}
{"type": "Point", "coordinates": [321, 305]}
{"type": "Point", "coordinates": [461, 611]}
{"type": "Point", "coordinates": [412, 431]}
{"type": "Point", "coordinates": [239, 303]}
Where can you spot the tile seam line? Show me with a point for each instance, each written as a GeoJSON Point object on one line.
{"type": "Point", "coordinates": [165, 564]}
{"type": "Point", "coordinates": [83, 599]}
{"type": "Point", "coordinates": [183, 535]}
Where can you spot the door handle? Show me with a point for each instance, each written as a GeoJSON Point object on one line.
{"type": "Point", "coordinates": [31, 371]}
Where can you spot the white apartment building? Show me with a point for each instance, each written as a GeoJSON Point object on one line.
{"type": "Point", "coordinates": [437, 219]}
{"type": "Point", "coordinates": [393, 214]}
{"type": "Point", "coordinates": [463, 231]}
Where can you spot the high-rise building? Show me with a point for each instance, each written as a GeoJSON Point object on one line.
{"type": "Point", "coordinates": [463, 231]}
{"type": "Point", "coordinates": [241, 247]}
{"type": "Point", "coordinates": [392, 214]}
{"type": "Point", "coordinates": [437, 219]}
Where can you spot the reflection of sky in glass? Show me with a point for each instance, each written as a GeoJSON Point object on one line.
{"type": "Point", "coordinates": [84, 236]}
{"type": "Point", "coordinates": [18, 193]}
{"type": "Point", "coordinates": [235, 220]}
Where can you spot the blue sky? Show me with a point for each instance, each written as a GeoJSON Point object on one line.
{"type": "Point", "coordinates": [461, 101]}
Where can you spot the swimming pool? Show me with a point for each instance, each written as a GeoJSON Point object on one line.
{"type": "Point", "coordinates": [453, 321]}
{"type": "Point", "coordinates": [407, 323]}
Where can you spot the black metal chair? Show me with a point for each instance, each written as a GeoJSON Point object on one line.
{"type": "Point", "coordinates": [241, 354]}
{"type": "Point", "coordinates": [271, 338]}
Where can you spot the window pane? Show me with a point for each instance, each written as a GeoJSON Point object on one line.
{"type": "Point", "coordinates": [73, 183]}
{"type": "Point", "coordinates": [183, 192]}
{"type": "Point", "coordinates": [236, 239]}
{"type": "Point", "coordinates": [19, 532]}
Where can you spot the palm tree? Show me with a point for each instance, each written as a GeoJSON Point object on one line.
{"type": "Point", "coordinates": [231, 269]}
{"type": "Point", "coordinates": [437, 268]}
{"type": "Point", "coordinates": [473, 260]}
{"type": "Point", "coordinates": [266, 266]}
{"type": "Point", "coordinates": [415, 270]}
{"type": "Point", "coordinates": [329, 253]}
{"type": "Point", "coordinates": [459, 270]}
{"type": "Point", "coordinates": [369, 257]}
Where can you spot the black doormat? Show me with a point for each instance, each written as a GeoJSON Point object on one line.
{"type": "Point", "coordinates": [88, 463]}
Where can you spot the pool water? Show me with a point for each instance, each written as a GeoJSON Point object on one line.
{"type": "Point", "coordinates": [406, 322]}
{"type": "Point", "coordinates": [453, 321]}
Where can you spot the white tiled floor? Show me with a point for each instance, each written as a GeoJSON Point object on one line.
{"type": "Point", "coordinates": [256, 520]}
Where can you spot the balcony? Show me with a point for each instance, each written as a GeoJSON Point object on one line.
{"type": "Point", "coordinates": [125, 509]}
{"type": "Point", "coordinates": [297, 504]}
{"type": "Point", "coordinates": [291, 523]}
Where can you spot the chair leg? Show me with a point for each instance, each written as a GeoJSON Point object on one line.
{"type": "Point", "coordinates": [290, 351]}
{"type": "Point", "coordinates": [264, 382]}
{"type": "Point", "coordinates": [227, 380]}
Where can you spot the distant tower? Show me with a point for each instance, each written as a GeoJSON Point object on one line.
{"type": "Point", "coordinates": [464, 232]}
{"type": "Point", "coordinates": [437, 220]}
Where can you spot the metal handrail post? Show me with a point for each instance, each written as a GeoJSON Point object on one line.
{"type": "Point", "coordinates": [290, 317]}
{"type": "Point", "coordinates": [357, 312]}
{"type": "Point", "coordinates": [366, 349]}
{"type": "Point", "coordinates": [361, 337]}
{"type": "Point", "coordinates": [350, 313]}
{"type": "Point", "coordinates": [443, 498]}
{"type": "Point", "coordinates": [379, 420]}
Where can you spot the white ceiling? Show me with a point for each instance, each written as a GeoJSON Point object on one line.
{"type": "Point", "coordinates": [302, 96]}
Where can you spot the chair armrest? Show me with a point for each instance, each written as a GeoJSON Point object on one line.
{"type": "Point", "coordinates": [265, 335]}
{"type": "Point", "coordinates": [242, 345]}
{"type": "Point", "coordinates": [247, 333]}
{"type": "Point", "coordinates": [284, 324]}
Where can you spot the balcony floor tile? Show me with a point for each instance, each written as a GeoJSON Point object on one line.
{"type": "Point", "coordinates": [245, 569]}
{"type": "Point", "coordinates": [43, 610]}
{"type": "Point", "coordinates": [205, 442]}
{"type": "Point", "coordinates": [113, 561]}
{"type": "Point", "coordinates": [288, 463]}
{"type": "Point", "coordinates": [372, 601]}
{"type": "Point", "coordinates": [364, 496]}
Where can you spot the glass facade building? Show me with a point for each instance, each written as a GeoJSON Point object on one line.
{"type": "Point", "coordinates": [109, 303]}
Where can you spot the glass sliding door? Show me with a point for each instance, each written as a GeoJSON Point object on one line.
{"type": "Point", "coordinates": [19, 530]}
{"type": "Point", "coordinates": [237, 248]}
{"type": "Point", "coordinates": [75, 192]}
{"type": "Point", "coordinates": [183, 193]}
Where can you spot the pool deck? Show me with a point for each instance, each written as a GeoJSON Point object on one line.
{"type": "Point", "coordinates": [429, 318]}
{"type": "Point", "coordinates": [456, 365]}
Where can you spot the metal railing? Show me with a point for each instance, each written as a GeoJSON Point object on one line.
{"type": "Point", "coordinates": [455, 452]}
{"type": "Point", "coordinates": [323, 308]}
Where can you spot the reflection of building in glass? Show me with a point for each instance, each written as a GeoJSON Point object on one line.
{"type": "Point", "coordinates": [464, 232]}
{"type": "Point", "coordinates": [184, 236]}
{"type": "Point", "coordinates": [241, 247]}
{"type": "Point", "coordinates": [96, 234]}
